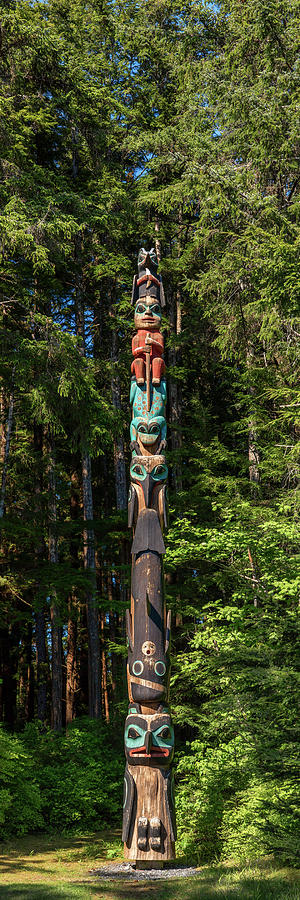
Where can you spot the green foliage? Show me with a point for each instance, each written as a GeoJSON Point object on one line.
{"type": "Point", "coordinates": [239, 781]}
{"type": "Point", "coordinates": [79, 775]}
{"type": "Point", "coordinates": [53, 782]}
{"type": "Point", "coordinates": [20, 800]}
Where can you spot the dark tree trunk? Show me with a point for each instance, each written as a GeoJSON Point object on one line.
{"type": "Point", "coordinates": [56, 630]}
{"type": "Point", "coordinates": [9, 641]}
{"type": "Point", "coordinates": [72, 675]}
{"type": "Point", "coordinates": [72, 669]}
{"type": "Point", "coordinates": [56, 645]}
{"type": "Point", "coordinates": [119, 454]}
{"type": "Point", "coordinates": [253, 453]}
{"type": "Point", "coordinates": [105, 701]}
{"type": "Point", "coordinates": [91, 603]}
{"type": "Point", "coordinates": [83, 665]}
{"type": "Point", "coordinates": [40, 625]}
{"type": "Point", "coordinates": [42, 665]}
{"type": "Point", "coordinates": [9, 425]}
{"type": "Point", "coordinates": [175, 394]}
{"type": "Point", "coordinates": [92, 613]}
{"type": "Point", "coordinates": [26, 680]}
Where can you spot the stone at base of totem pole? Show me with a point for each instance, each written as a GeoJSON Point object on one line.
{"type": "Point", "coordinates": [149, 828]}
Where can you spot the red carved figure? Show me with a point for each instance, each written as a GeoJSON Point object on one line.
{"type": "Point", "coordinates": [147, 321]}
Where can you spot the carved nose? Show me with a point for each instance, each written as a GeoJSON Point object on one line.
{"type": "Point", "coordinates": [148, 741]}
{"type": "Point", "coordinates": [147, 488]}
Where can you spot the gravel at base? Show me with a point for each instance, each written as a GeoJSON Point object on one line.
{"type": "Point", "coordinates": [128, 873]}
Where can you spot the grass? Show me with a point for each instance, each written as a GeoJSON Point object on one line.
{"type": "Point", "coordinates": [50, 868]}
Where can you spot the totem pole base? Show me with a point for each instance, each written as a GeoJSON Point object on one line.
{"type": "Point", "coordinates": [150, 841]}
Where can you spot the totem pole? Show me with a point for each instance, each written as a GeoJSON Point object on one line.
{"type": "Point", "coordinates": [149, 829]}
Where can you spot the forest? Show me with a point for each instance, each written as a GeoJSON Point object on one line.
{"type": "Point", "coordinates": [173, 125]}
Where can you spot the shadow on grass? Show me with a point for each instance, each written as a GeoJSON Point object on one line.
{"type": "Point", "coordinates": [44, 892]}
{"type": "Point", "coordinates": [256, 888]}
{"type": "Point", "coordinates": [40, 892]}
{"type": "Point", "coordinates": [212, 884]}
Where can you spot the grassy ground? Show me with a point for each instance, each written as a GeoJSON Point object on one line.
{"type": "Point", "coordinates": [45, 868]}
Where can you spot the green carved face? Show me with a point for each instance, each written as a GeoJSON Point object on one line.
{"type": "Point", "coordinates": [149, 739]}
{"type": "Point", "coordinates": [138, 472]}
{"type": "Point", "coordinates": [147, 474]}
{"type": "Point", "coordinates": [148, 429]}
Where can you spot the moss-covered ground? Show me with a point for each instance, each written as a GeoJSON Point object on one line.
{"type": "Point", "coordinates": [49, 868]}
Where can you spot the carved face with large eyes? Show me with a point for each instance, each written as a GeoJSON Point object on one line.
{"type": "Point", "coordinates": [147, 314]}
{"type": "Point", "coordinates": [148, 472]}
{"type": "Point", "coordinates": [149, 740]}
{"type": "Point", "coordinates": [148, 430]}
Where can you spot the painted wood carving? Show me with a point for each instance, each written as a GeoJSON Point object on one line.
{"type": "Point", "coordinates": [149, 828]}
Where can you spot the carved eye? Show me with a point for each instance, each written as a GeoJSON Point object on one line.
{"type": "Point", "coordinates": [133, 733]}
{"type": "Point", "coordinates": [142, 429]}
{"type": "Point", "coordinates": [140, 309]}
{"type": "Point", "coordinates": [154, 429]}
{"type": "Point", "coordinates": [138, 472]}
{"type": "Point", "coordinates": [160, 668]}
{"type": "Point", "coordinates": [155, 309]}
{"type": "Point", "coordinates": [160, 473]}
{"type": "Point", "coordinates": [165, 733]}
{"type": "Point", "coordinates": [138, 667]}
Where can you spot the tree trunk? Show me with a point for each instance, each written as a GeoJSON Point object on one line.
{"type": "Point", "coordinates": [56, 630]}
{"type": "Point", "coordinates": [253, 453]}
{"type": "Point", "coordinates": [119, 454]}
{"type": "Point", "coordinates": [91, 603]}
{"type": "Point", "coordinates": [92, 614]}
{"type": "Point", "coordinates": [105, 701]}
{"type": "Point", "coordinates": [9, 646]}
{"type": "Point", "coordinates": [40, 626]}
{"type": "Point", "coordinates": [73, 613]}
{"type": "Point", "coordinates": [72, 670]}
{"type": "Point", "coordinates": [7, 445]}
{"type": "Point", "coordinates": [175, 394]}
{"type": "Point", "coordinates": [26, 678]}
{"type": "Point", "coordinates": [83, 667]}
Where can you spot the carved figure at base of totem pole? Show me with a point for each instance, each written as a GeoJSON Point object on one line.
{"type": "Point", "coordinates": [149, 829]}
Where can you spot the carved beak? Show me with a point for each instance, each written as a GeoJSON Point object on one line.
{"type": "Point", "coordinates": [148, 742]}
{"type": "Point", "coordinates": [147, 262]}
{"type": "Point", "coordinates": [147, 486]}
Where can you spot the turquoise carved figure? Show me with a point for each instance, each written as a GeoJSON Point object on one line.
{"type": "Point", "coordinates": [138, 400]}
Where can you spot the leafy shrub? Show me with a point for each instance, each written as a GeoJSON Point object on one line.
{"type": "Point", "coordinates": [207, 776]}
{"type": "Point", "coordinates": [263, 819]}
{"type": "Point", "coordinates": [80, 775]}
{"type": "Point", "coordinates": [236, 791]}
{"type": "Point", "coordinates": [20, 800]}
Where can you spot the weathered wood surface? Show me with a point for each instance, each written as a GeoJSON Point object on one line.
{"type": "Point", "coordinates": [149, 829]}
{"type": "Point", "coordinates": [151, 802]}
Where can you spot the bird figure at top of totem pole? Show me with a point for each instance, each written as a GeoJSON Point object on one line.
{"type": "Point", "coordinates": [148, 282]}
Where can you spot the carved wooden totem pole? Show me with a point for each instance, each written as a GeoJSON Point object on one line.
{"type": "Point", "coordinates": [149, 829]}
